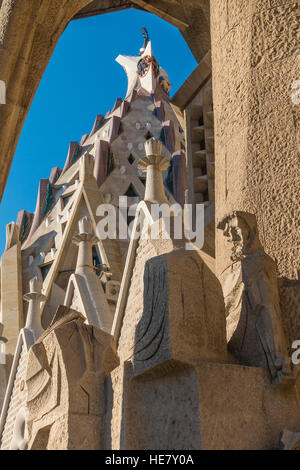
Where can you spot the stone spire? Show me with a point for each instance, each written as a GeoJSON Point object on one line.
{"type": "Point", "coordinates": [143, 71]}
{"type": "Point", "coordinates": [85, 240]}
{"type": "Point", "coordinates": [34, 297]}
{"type": "Point", "coordinates": [154, 163]}
{"type": "Point", "coordinates": [96, 308]}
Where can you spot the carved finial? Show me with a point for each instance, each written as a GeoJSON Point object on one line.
{"type": "Point", "coordinates": [86, 234]}
{"type": "Point", "coordinates": [85, 240]}
{"type": "Point", "coordinates": [85, 225]}
{"type": "Point", "coordinates": [146, 40]}
{"type": "Point", "coordinates": [35, 285]}
{"type": "Point", "coordinates": [153, 147]}
{"type": "Point", "coordinates": [34, 297]}
{"type": "Point", "coordinates": [154, 163]}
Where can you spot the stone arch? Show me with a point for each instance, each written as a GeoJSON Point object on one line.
{"type": "Point", "coordinates": [29, 32]}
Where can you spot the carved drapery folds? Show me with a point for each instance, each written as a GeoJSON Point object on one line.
{"type": "Point", "coordinates": [65, 383]}
{"type": "Point", "coordinates": [183, 318]}
{"type": "Point", "coordinates": [254, 326]}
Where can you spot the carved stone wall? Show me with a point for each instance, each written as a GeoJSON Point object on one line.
{"type": "Point", "coordinates": [127, 418]}
{"type": "Point", "coordinates": [254, 64]}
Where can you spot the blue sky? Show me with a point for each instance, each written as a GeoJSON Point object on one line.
{"type": "Point", "coordinates": [81, 81]}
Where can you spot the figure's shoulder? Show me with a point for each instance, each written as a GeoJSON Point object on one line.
{"type": "Point", "coordinates": [259, 263]}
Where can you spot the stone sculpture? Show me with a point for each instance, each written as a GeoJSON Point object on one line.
{"type": "Point", "coordinates": [65, 383]}
{"type": "Point", "coordinates": [34, 298]}
{"type": "Point", "coordinates": [255, 333]}
{"type": "Point", "coordinates": [177, 325]}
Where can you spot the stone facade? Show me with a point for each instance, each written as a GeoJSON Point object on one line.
{"type": "Point", "coordinates": [145, 343]}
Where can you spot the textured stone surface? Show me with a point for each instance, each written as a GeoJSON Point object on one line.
{"type": "Point", "coordinates": [172, 401]}
{"type": "Point", "coordinates": [176, 324]}
{"type": "Point", "coordinates": [240, 409]}
{"type": "Point", "coordinates": [11, 299]}
{"type": "Point", "coordinates": [254, 66]}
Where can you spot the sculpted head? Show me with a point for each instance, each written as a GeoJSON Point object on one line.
{"type": "Point", "coordinates": [240, 230]}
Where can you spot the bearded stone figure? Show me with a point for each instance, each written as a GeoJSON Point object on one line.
{"type": "Point", "coordinates": [253, 318]}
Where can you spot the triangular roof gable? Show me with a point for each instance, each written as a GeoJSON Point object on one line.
{"type": "Point", "coordinates": [86, 195]}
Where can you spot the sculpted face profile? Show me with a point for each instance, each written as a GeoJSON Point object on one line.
{"type": "Point", "coordinates": [254, 326]}
{"type": "Point", "coordinates": [241, 234]}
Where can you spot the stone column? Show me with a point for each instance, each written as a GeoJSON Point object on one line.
{"type": "Point", "coordinates": [33, 319]}
{"type": "Point", "coordinates": [95, 305]}
{"type": "Point", "coordinates": [254, 69]}
{"type": "Point", "coordinates": [154, 163]}
{"type": "Point", "coordinates": [85, 241]}
{"type": "Point", "coordinates": [11, 314]}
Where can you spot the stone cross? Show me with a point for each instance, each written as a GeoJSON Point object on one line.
{"type": "Point", "coordinates": [34, 297]}
{"type": "Point", "coordinates": [154, 163]}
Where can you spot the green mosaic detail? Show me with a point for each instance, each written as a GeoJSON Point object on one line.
{"type": "Point", "coordinates": [76, 155]}
{"type": "Point", "coordinates": [100, 124]}
{"type": "Point", "coordinates": [48, 200]}
{"type": "Point", "coordinates": [57, 175]}
{"type": "Point", "coordinates": [110, 162]}
{"type": "Point", "coordinates": [162, 137]}
{"type": "Point", "coordinates": [24, 228]}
